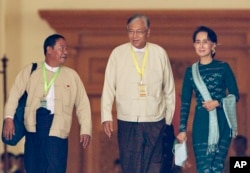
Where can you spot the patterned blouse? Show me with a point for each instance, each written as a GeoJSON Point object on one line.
{"type": "Point", "coordinates": [219, 80]}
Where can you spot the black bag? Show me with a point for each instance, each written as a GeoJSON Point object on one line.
{"type": "Point", "coordinates": [20, 130]}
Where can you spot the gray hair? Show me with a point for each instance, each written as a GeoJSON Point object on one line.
{"type": "Point", "coordinates": [139, 16]}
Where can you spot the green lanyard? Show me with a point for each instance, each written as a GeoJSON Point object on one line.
{"type": "Point", "coordinates": [46, 85]}
{"type": "Point", "coordinates": [140, 71]}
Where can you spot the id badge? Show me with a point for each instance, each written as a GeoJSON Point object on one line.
{"type": "Point", "coordinates": [142, 88]}
{"type": "Point", "coordinates": [43, 103]}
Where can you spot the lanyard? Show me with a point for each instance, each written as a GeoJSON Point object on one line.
{"type": "Point", "coordinates": [46, 85]}
{"type": "Point", "coordinates": [142, 69]}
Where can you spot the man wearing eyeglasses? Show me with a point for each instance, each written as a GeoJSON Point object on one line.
{"type": "Point", "coordinates": [139, 78]}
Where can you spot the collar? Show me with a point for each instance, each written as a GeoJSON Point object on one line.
{"type": "Point", "coordinates": [52, 69]}
{"type": "Point", "coordinates": [138, 50]}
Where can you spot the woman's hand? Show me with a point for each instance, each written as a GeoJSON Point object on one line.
{"type": "Point", "coordinates": [210, 105]}
{"type": "Point", "coordinates": [181, 137]}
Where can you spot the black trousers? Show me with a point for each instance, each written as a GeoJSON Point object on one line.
{"type": "Point", "coordinates": [145, 147]}
{"type": "Point", "coordinates": [43, 153]}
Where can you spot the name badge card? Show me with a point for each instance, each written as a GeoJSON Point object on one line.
{"type": "Point", "coordinates": [142, 88]}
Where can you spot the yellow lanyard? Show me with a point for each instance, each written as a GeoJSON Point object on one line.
{"type": "Point", "coordinates": [46, 85]}
{"type": "Point", "coordinates": [142, 69]}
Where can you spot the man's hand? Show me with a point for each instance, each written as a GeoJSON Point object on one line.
{"type": "Point", "coordinates": [85, 140]}
{"type": "Point", "coordinates": [108, 128]}
{"type": "Point", "coordinates": [8, 128]}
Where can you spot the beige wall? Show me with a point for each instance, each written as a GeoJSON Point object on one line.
{"type": "Point", "coordinates": [22, 31]}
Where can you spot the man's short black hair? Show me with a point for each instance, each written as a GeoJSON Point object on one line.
{"type": "Point", "coordinates": [51, 41]}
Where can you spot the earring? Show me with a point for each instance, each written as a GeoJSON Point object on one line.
{"type": "Point", "coordinates": [213, 51]}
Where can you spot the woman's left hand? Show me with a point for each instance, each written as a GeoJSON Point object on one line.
{"type": "Point", "coordinates": [210, 105]}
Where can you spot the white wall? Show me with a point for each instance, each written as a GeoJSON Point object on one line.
{"type": "Point", "coordinates": [23, 32]}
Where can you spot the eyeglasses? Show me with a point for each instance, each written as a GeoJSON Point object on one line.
{"type": "Point", "coordinates": [137, 32]}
